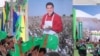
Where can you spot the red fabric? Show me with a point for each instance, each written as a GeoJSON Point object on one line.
{"type": "Point", "coordinates": [57, 22]}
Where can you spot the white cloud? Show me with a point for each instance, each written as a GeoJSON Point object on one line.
{"type": "Point", "coordinates": [10, 0]}
{"type": "Point", "coordinates": [97, 16]}
{"type": "Point", "coordinates": [80, 13]}
{"type": "Point", "coordinates": [85, 2]}
{"type": "Point", "coordinates": [2, 3]}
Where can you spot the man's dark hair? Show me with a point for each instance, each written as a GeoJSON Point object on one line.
{"type": "Point", "coordinates": [42, 50]}
{"type": "Point", "coordinates": [49, 3]}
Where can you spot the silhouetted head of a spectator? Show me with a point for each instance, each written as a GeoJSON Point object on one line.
{"type": "Point", "coordinates": [42, 51]}
{"type": "Point", "coordinates": [99, 41]}
{"type": "Point", "coordinates": [35, 51]}
{"type": "Point", "coordinates": [9, 38]}
{"type": "Point", "coordinates": [77, 40]}
{"type": "Point", "coordinates": [53, 54]}
{"type": "Point", "coordinates": [3, 41]}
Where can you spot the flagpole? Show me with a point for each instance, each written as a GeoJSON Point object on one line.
{"type": "Point", "coordinates": [0, 17]}
{"type": "Point", "coordinates": [26, 15]}
{"type": "Point", "coordinates": [74, 24]}
{"type": "Point", "coordinates": [11, 17]}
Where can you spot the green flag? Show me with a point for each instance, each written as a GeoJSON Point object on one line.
{"type": "Point", "coordinates": [18, 28]}
{"type": "Point", "coordinates": [89, 45]}
{"type": "Point", "coordinates": [3, 35]}
{"type": "Point", "coordinates": [17, 51]}
{"type": "Point", "coordinates": [21, 2]}
{"type": "Point", "coordinates": [37, 41]}
{"type": "Point", "coordinates": [7, 10]}
{"type": "Point", "coordinates": [12, 52]}
{"type": "Point", "coordinates": [26, 46]}
{"type": "Point", "coordinates": [25, 1]}
{"type": "Point", "coordinates": [18, 23]}
{"type": "Point", "coordinates": [52, 42]}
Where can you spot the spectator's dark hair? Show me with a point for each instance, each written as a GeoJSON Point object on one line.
{"type": "Point", "coordinates": [8, 54]}
{"type": "Point", "coordinates": [0, 53]}
{"type": "Point", "coordinates": [87, 40]}
{"type": "Point", "coordinates": [36, 48]}
{"type": "Point", "coordinates": [29, 54]}
{"type": "Point", "coordinates": [3, 41]}
{"type": "Point", "coordinates": [9, 37]}
{"type": "Point", "coordinates": [77, 40]}
{"type": "Point", "coordinates": [8, 43]}
{"type": "Point", "coordinates": [42, 50]}
{"type": "Point", "coordinates": [53, 54]}
{"type": "Point", "coordinates": [0, 43]}
{"type": "Point", "coordinates": [49, 3]}
{"type": "Point", "coordinates": [99, 40]}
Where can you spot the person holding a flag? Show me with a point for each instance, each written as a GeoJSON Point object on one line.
{"type": "Point", "coordinates": [81, 46]}
{"type": "Point", "coordinates": [98, 48]}
{"type": "Point", "coordinates": [51, 22]}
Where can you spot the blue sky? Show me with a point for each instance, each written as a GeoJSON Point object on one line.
{"type": "Point", "coordinates": [91, 9]}
{"type": "Point", "coordinates": [37, 7]}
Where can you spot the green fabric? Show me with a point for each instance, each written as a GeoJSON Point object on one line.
{"type": "Point", "coordinates": [37, 41]}
{"type": "Point", "coordinates": [90, 45]}
{"type": "Point", "coordinates": [80, 30]}
{"type": "Point", "coordinates": [30, 44]}
{"type": "Point", "coordinates": [18, 28]}
{"type": "Point", "coordinates": [12, 53]}
{"type": "Point", "coordinates": [82, 47]}
{"type": "Point", "coordinates": [7, 10]}
{"type": "Point", "coordinates": [17, 35]}
{"type": "Point", "coordinates": [99, 51]}
{"type": "Point", "coordinates": [16, 51]}
{"type": "Point", "coordinates": [52, 42]}
{"type": "Point", "coordinates": [18, 23]}
{"type": "Point", "coordinates": [74, 24]}
{"type": "Point", "coordinates": [25, 1]}
{"type": "Point", "coordinates": [26, 46]}
{"type": "Point", "coordinates": [3, 35]}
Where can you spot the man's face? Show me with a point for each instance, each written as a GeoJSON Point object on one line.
{"type": "Point", "coordinates": [50, 9]}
